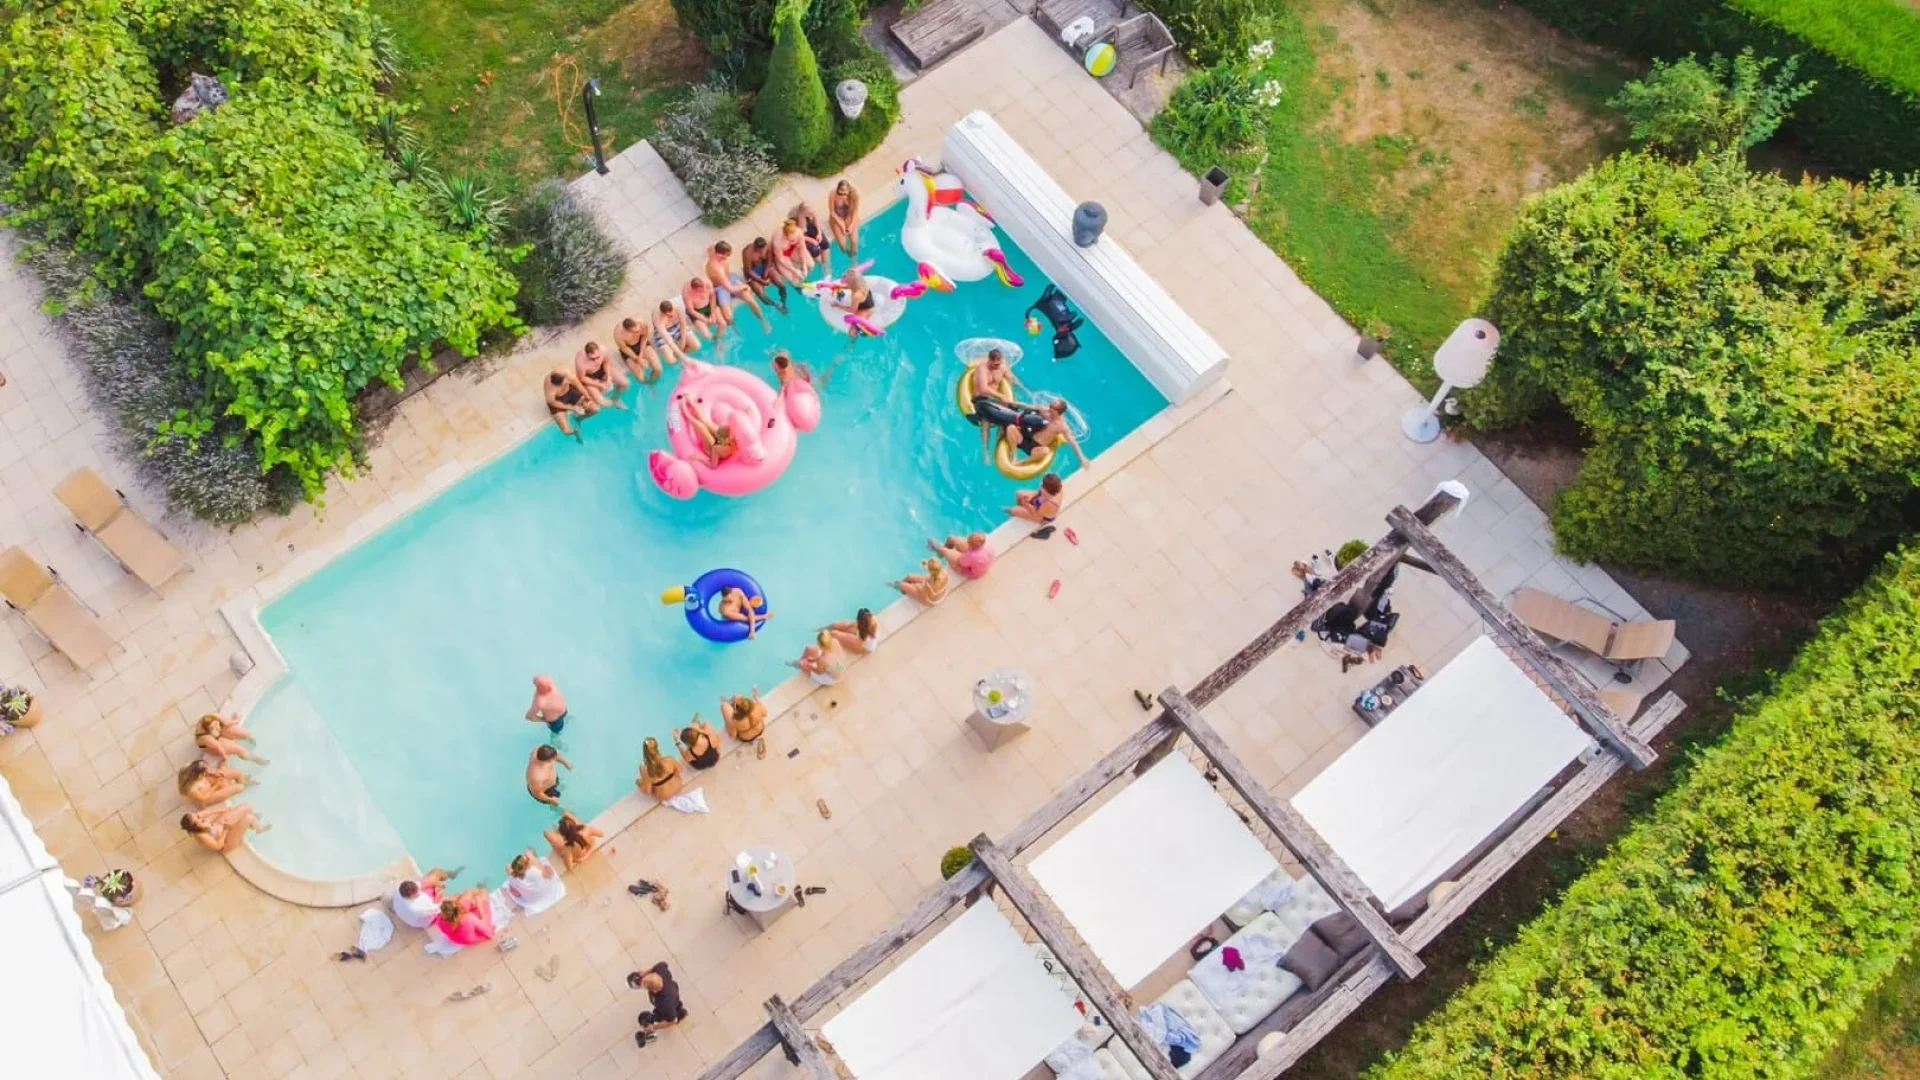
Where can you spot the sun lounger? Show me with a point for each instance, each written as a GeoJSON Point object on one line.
{"type": "Point", "coordinates": [1625, 642]}
{"type": "Point", "coordinates": [52, 609]}
{"type": "Point", "coordinates": [139, 547]}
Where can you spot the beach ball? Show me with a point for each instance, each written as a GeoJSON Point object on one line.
{"type": "Point", "coordinates": [1033, 324]}
{"type": "Point", "coordinates": [1100, 59]}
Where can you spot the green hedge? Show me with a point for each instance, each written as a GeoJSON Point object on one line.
{"type": "Point", "coordinates": [1736, 931]}
{"type": "Point", "coordinates": [791, 110]}
{"type": "Point", "coordinates": [1743, 353]}
{"type": "Point", "coordinates": [740, 32]}
{"type": "Point", "coordinates": [1863, 115]}
{"type": "Point", "coordinates": [856, 138]}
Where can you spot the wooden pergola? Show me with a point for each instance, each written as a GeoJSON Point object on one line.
{"type": "Point", "coordinates": [1307, 1017]}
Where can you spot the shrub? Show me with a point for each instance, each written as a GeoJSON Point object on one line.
{"type": "Point", "coordinates": [790, 111]}
{"type": "Point", "coordinates": [710, 146]}
{"type": "Point", "coordinates": [1209, 31]}
{"type": "Point", "coordinates": [1738, 928]}
{"type": "Point", "coordinates": [1862, 55]}
{"type": "Point", "coordinates": [325, 46]}
{"type": "Point", "coordinates": [856, 138]}
{"type": "Point", "coordinates": [1686, 107]}
{"type": "Point", "coordinates": [955, 860]}
{"type": "Point", "coordinates": [743, 29]}
{"type": "Point", "coordinates": [1742, 352]}
{"type": "Point", "coordinates": [572, 268]}
{"type": "Point", "coordinates": [1213, 113]}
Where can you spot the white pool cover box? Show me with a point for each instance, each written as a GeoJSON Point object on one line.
{"type": "Point", "coordinates": [972, 1004]}
{"type": "Point", "coordinates": [1127, 304]}
{"type": "Point", "coordinates": [1140, 876]}
{"type": "Point", "coordinates": [59, 1016]}
{"type": "Point", "coordinates": [1445, 769]}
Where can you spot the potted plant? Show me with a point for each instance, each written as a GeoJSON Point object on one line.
{"type": "Point", "coordinates": [18, 708]}
{"type": "Point", "coordinates": [116, 887]}
{"type": "Point", "coordinates": [955, 860]}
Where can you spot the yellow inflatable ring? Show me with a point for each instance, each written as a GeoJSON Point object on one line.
{"type": "Point", "coordinates": [963, 392]}
{"type": "Point", "coordinates": [1026, 468]}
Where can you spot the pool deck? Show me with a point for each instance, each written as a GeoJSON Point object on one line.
{"type": "Point", "coordinates": [1183, 556]}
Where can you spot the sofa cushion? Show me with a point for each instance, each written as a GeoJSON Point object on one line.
{"type": "Point", "coordinates": [1312, 959]}
{"type": "Point", "coordinates": [1215, 1034]}
{"type": "Point", "coordinates": [1342, 933]}
{"type": "Point", "coordinates": [1242, 978]}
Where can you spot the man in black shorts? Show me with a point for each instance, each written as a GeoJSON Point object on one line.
{"type": "Point", "coordinates": [664, 995]}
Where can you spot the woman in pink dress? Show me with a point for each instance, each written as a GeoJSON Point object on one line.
{"type": "Point", "coordinates": [466, 919]}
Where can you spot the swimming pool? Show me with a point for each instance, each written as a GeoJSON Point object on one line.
{"type": "Point", "coordinates": [398, 725]}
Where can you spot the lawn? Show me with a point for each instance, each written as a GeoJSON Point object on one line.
{"type": "Point", "coordinates": [1884, 1043]}
{"type": "Point", "coordinates": [1408, 134]}
{"type": "Point", "coordinates": [494, 85]}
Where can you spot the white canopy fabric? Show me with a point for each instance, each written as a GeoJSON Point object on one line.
{"type": "Point", "coordinates": [1463, 753]}
{"type": "Point", "coordinates": [60, 1016]}
{"type": "Point", "coordinates": [972, 1004]}
{"type": "Point", "coordinates": [1150, 869]}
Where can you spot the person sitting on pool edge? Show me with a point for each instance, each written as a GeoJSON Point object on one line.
{"type": "Point", "coordinates": [637, 350]}
{"type": "Point", "coordinates": [728, 289]}
{"type": "Point", "coordinates": [861, 636]}
{"type": "Point", "coordinates": [568, 401]}
{"type": "Point", "coordinates": [203, 784]}
{"type": "Point", "coordinates": [929, 588]}
{"type": "Point", "coordinates": [704, 310]}
{"type": "Point", "coordinates": [969, 556]}
{"type": "Point", "coordinates": [824, 661]}
{"type": "Point", "coordinates": [699, 744]}
{"type": "Point", "coordinates": [549, 705]}
{"type": "Point", "coordinates": [543, 781]}
{"type": "Point", "coordinates": [533, 883]}
{"type": "Point", "coordinates": [745, 716]}
{"type": "Point", "coordinates": [1024, 438]}
{"type": "Point", "coordinates": [737, 606]}
{"type": "Point", "coordinates": [223, 829]}
{"type": "Point", "coordinates": [660, 776]}
{"type": "Point", "coordinates": [1041, 506]}
{"type": "Point", "coordinates": [415, 902]}
{"type": "Point", "coordinates": [604, 381]}
{"type": "Point", "coordinates": [671, 331]}
{"type": "Point", "coordinates": [756, 265]}
{"type": "Point", "coordinates": [576, 842]}
{"type": "Point", "coordinates": [219, 738]}
{"type": "Point", "coordinates": [843, 217]}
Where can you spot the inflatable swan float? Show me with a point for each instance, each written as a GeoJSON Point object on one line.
{"type": "Point", "coordinates": [945, 234]}
{"type": "Point", "coordinates": [765, 423]}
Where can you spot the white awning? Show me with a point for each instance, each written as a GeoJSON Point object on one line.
{"type": "Point", "coordinates": [1419, 792]}
{"type": "Point", "coordinates": [58, 1015]}
{"type": "Point", "coordinates": [972, 1004]}
{"type": "Point", "coordinates": [1150, 869]}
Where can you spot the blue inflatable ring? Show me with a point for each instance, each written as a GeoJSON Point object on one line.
{"type": "Point", "coordinates": [703, 599]}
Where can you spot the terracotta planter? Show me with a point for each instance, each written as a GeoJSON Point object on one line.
{"type": "Point", "coordinates": [33, 714]}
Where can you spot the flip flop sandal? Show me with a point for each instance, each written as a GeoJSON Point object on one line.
{"type": "Point", "coordinates": [1044, 532]}
{"type": "Point", "coordinates": [1072, 538]}
{"type": "Point", "coordinates": [826, 812]}
{"type": "Point", "coordinates": [471, 993]}
{"type": "Point", "coordinates": [760, 747]}
{"type": "Point", "coordinates": [1146, 702]}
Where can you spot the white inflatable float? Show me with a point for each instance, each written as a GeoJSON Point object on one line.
{"type": "Point", "coordinates": [950, 238]}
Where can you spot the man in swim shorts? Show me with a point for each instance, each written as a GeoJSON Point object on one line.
{"type": "Point", "coordinates": [756, 265]}
{"type": "Point", "coordinates": [637, 350]}
{"type": "Point", "coordinates": [1025, 436]}
{"type": "Point", "coordinates": [543, 782]}
{"type": "Point", "coordinates": [704, 310]}
{"type": "Point", "coordinates": [969, 556]}
{"type": "Point", "coordinates": [568, 402]}
{"type": "Point", "coordinates": [671, 334]}
{"type": "Point", "coordinates": [549, 705]}
{"type": "Point", "coordinates": [728, 288]}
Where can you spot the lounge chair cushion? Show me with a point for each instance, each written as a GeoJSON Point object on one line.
{"type": "Point", "coordinates": [1248, 989]}
{"type": "Point", "coordinates": [71, 627]}
{"type": "Point", "coordinates": [1214, 1032]}
{"type": "Point", "coordinates": [1342, 933]}
{"type": "Point", "coordinates": [141, 549]}
{"type": "Point", "coordinates": [91, 500]}
{"type": "Point", "coordinates": [1118, 1063]}
{"type": "Point", "coordinates": [1271, 894]}
{"type": "Point", "coordinates": [23, 581]}
{"type": "Point", "coordinates": [1308, 905]}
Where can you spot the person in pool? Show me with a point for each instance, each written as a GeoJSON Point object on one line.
{"type": "Point", "coordinates": [1024, 438]}
{"type": "Point", "coordinates": [604, 381]}
{"type": "Point", "coordinates": [758, 269]}
{"type": "Point", "coordinates": [699, 744]}
{"type": "Point", "coordinates": [929, 588]}
{"type": "Point", "coordinates": [704, 310]}
{"type": "Point", "coordinates": [785, 370]}
{"type": "Point", "coordinates": [1041, 505]}
{"type": "Point", "coordinates": [819, 248]}
{"type": "Point", "coordinates": [568, 402]}
{"type": "Point", "coordinates": [637, 350]}
{"type": "Point", "coordinates": [861, 636]}
{"type": "Point", "coordinates": [729, 289]}
{"type": "Point", "coordinates": [843, 217]}
{"type": "Point", "coordinates": [661, 777]}
{"type": "Point", "coordinates": [855, 296]}
{"type": "Point", "coordinates": [969, 556]}
{"type": "Point", "coordinates": [737, 606]}
{"type": "Point", "coordinates": [671, 332]}
{"type": "Point", "coordinates": [576, 842]}
{"type": "Point", "coordinates": [543, 781]}
{"type": "Point", "coordinates": [824, 661]}
{"type": "Point", "coordinates": [549, 705]}
{"type": "Point", "coordinates": [745, 715]}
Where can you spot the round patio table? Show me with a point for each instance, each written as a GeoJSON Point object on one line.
{"type": "Point", "coordinates": [773, 873]}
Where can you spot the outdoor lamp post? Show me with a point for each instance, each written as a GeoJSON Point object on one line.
{"type": "Point", "coordinates": [1461, 362]}
{"type": "Point", "coordinates": [587, 94]}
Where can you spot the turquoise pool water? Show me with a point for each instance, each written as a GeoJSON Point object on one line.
{"type": "Point", "coordinates": [411, 655]}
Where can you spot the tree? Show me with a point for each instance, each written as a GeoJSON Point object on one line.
{"type": "Point", "coordinates": [1686, 107]}
{"type": "Point", "coordinates": [791, 109]}
{"type": "Point", "coordinates": [1744, 353]}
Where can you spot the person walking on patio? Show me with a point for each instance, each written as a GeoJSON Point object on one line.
{"type": "Point", "coordinates": [663, 994]}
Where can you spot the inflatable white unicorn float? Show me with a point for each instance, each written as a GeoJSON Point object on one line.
{"type": "Point", "coordinates": [950, 237]}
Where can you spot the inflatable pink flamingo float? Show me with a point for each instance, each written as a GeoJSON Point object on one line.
{"type": "Point", "coordinates": [765, 423]}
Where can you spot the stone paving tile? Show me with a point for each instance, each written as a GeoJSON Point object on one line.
{"type": "Point", "coordinates": [1184, 556]}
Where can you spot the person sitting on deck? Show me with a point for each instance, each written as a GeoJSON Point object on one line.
{"type": "Point", "coordinates": [416, 902]}
{"type": "Point", "coordinates": [576, 842]}
{"type": "Point", "coordinates": [660, 776]}
{"type": "Point", "coordinates": [969, 556]}
{"type": "Point", "coordinates": [699, 744]}
{"type": "Point", "coordinates": [745, 715]}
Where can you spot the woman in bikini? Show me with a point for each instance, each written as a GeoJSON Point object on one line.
{"type": "Point", "coordinates": [824, 661]}
{"type": "Point", "coordinates": [637, 351]}
{"type": "Point", "coordinates": [843, 216]}
{"type": "Point", "coordinates": [709, 317]}
{"type": "Point", "coordinates": [573, 840]}
{"type": "Point", "coordinates": [568, 401]}
{"type": "Point", "coordinates": [203, 785]}
{"type": "Point", "coordinates": [699, 743]}
{"type": "Point", "coordinates": [790, 254]}
{"type": "Point", "coordinates": [819, 248]}
{"type": "Point", "coordinates": [222, 830]}
{"type": "Point", "coordinates": [670, 332]}
{"type": "Point", "coordinates": [858, 299]}
{"type": "Point", "coordinates": [660, 776]}
{"type": "Point", "coordinates": [745, 715]}
{"type": "Point", "coordinates": [1040, 506]}
{"type": "Point", "coordinates": [861, 636]}
{"type": "Point", "coordinates": [716, 439]}
{"type": "Point", "coordinates": [601, 379]}
{"type": "Point", "coordinates": [929, 588]}
{"type": "Point", "coordinates": [219, 740]}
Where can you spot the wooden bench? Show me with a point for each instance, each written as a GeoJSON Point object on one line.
{"type": "Point", "coordinates": [1054, 16]}
{"type": "Point", "coordinates": [936, 31]}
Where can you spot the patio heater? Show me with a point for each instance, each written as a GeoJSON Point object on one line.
{"type": "Point", "coordinates": [1461, 362]}
{"type": "Point", "coordinates": [587, 94]}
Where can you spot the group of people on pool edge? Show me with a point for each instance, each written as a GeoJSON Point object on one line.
{"type": "Point", "coordinates": [211, 780]}
{"type": "Point", "coordinates": [705, 310]}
